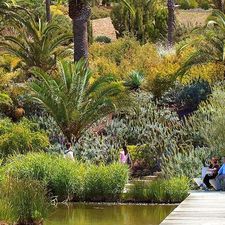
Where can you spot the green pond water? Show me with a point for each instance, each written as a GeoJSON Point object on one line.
{"type": "Point", "coordinates": [102, 214]}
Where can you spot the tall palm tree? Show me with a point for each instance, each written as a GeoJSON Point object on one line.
{"type": "Point", "coordinates": [36, 43]}
{"type": "Point", "coordinates": [79, 12]}
{"type": "Point", "coordinates": [210, 46]}
{"type": "Point", "coordinates": [74, 102]}
{"type": "Point", "coordinates": [171, 22]}
{"type": "Point", "coordinates": [48, 10]}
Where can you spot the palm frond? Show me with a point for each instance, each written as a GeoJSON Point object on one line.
{"type": "Point", "coordinates": [73, 102]}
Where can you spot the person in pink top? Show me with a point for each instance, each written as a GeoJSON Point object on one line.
{"type": "Point", "coordinates": [125, 156]}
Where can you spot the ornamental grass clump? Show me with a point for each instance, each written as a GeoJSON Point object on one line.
{"type": "Point", "coordinates": [23, 201]}
{"type": "Point", "coordinates": [69, 180]}
{"type": "Point", "coordinates": [105, 183]}
{"type": "Point", "coordinates": [172, 190]}
{"type": "Point", "coordinates": [62, 177]}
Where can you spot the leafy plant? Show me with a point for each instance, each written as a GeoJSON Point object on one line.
{"type": "Point", "coordinates": [208, 122]}
{"type": "Point", "coordinates": [209, 46]}
{"type": "Point", "coordinates": [103, 39]}
{"type": "Point", "coordinates": [20, 138]}
{"type": "Point", "coordinates": [187, 98]}
{"type": "Point", "coordinates": [184, 163]}
{"type": "Point", "coordinates": [74, 102]}
{"type": "Point", "coordinates": [135, 80]}
{"type": "Point", "coordinates": [148, 22]}
{"type": "Point", "coordinates": [36, 43]}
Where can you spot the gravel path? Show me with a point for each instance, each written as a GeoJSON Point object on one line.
{"type": "Point", "coordinates": [104, 27]}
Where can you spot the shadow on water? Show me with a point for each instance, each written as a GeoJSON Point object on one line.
{"type": "Point", "coordinates": [97, 214]}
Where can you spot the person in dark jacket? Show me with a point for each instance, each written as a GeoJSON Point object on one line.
{"type": "Point", "coordinates": [213, 169]}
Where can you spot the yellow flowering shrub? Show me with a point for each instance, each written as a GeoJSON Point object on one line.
{"type": "Point", "coordinates": [58, 9]}
{"type": "Point", "coordinates": [125, 55]}
{"type": "Point", "coordinates": [9, 61]}
{"type": "Point", "coordinates": [103, 66]}
{"type": "Point", "coordinates": [115, 51]}
{"type": "Point", "coordinates": [210, 72]}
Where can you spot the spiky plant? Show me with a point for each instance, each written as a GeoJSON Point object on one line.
{"type": "Point", "coordinates": [36, 43]}
{"type": "Point", "coordinates": [210, 46]}
{"type": "Point", "coordinates": [134, 80]}
{"type": "Point", "coordinates": [75, 103]}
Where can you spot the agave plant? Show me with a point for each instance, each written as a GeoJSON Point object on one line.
{"type": "Point", "coordinates": [75, 103]}
{"type": "Point", "coordinates": [135, 80]}
{"type": "Point", "coordinates": [36, 43]}
{"type": "Point", "coordinates": [210, 46]}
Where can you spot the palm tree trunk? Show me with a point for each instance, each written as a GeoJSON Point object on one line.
{"type": "Point", "coordinates": [80, 13]}
{"type": "Point", "coordinates": [171, 22]}
{"type": "Point", "coordinates": [48, 10]}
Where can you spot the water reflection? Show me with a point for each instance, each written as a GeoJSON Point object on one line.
{"type": "Point", "coordinates": [96, 214]}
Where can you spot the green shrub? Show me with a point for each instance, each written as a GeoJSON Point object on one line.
{"type": "Point", "coordinates": [20, 138]}
{"type": "Point", "coordinates": [105, 183]}
{"type": "Point", "coordinates": [62, 177]}
{"type": "Point", "coordinates": [177, 189]}
{"type": "Point", "coordinates": [103, 39]}
{"type": "Point", "coordinates": [184, 163]}
{"type": "Point", "coordinates": [188, 4]}
{"type": "Point", "coordinates": [135, 80]}
{"type": "Point", "coordinates": [208, 122]}
{"type": "Point", "coordinates": [100, 12]}
{"type": "Point", "coordinates": [173, 190]}
{"type": "Point", "coordinates": [192, 95]}
{"type": "Point", "coordinates": [23, 201]}
{"type": "Point", "coordinates": [70, 180]}
{"type": "Point", "coordinates": [148, 23]}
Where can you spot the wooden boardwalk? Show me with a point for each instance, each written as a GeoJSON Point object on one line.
{"type": "Point", "coordinates": [200, 208]}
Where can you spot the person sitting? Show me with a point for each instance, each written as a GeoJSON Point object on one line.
{"type": "Point", "coordinates": [212, 172]}
{"type": "Point", "coordinates": [125, 156]}
{"type": "Point", "coordinates": [68, 153]}
{"type": "Point", "coordinates": [221, 176]}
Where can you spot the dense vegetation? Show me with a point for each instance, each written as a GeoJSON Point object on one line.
{"type": "Point", "coordinates": [163, 99]}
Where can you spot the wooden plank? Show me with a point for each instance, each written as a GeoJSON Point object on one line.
{"type": "Point", "coordinates": [200, 208]}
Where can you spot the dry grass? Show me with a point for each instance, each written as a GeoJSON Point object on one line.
{"type": "Point", "coordinates": [193, 17]}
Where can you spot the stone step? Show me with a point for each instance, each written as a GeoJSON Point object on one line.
{"type": "Point", "coordinates": [148, 178]}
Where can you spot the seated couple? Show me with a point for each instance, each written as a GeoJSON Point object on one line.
{"type": "Point", "coordinates": [213, 175]}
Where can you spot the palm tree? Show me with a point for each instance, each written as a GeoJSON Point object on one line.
{"type": "Point", "coordinates": [74, 102]}
{"type": "Point", "coordinates": [210, 45]}
{"type": "Point", "coordinates": [48, 10]}
{"type": "Point", "coordinates": [36, 43]}
{"type": "Point", "coordinates": [79, 12]}
{"type": "Point", "coordinates": [171, 22]}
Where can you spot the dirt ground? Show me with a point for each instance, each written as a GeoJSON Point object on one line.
{"type": "Point", "coordinates": [104, 27]}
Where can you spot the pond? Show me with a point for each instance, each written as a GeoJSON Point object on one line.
{"type": "Point", "coordinates": [109, 214]}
